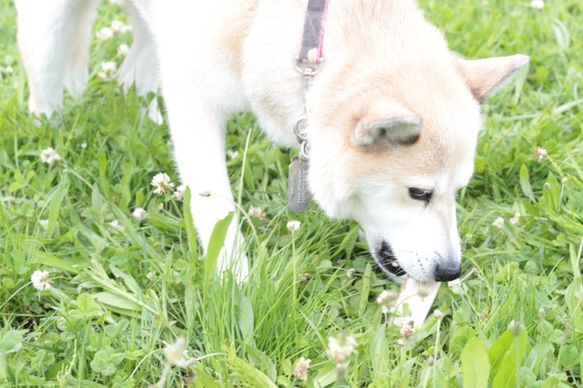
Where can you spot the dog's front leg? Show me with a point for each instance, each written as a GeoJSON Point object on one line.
{"type": "Point", "coordinates": [200, 154]}
{"type": "Point", "coordinates": [198, 134]}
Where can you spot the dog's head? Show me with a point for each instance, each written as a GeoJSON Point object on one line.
{"type": "Point", "coordinates": [392, 145]}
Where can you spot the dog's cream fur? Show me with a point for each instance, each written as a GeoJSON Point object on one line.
{"type": "Point", "coordinates": [391, 109]}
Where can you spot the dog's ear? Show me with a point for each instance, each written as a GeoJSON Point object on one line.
{"type": "Point", "coordinates": [487, 76]}
{"type": "Point", "coordinates": [388, 123]}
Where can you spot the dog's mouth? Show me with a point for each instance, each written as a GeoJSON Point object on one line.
{"type": "Point", "coordinates": [387, 260]}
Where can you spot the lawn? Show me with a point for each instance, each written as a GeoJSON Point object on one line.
{"type": "Point", "coordinates": [126, 294]}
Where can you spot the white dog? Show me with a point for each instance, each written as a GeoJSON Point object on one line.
{"type": "Point", "coordinates": [392, 115]}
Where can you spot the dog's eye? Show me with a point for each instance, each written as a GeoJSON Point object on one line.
{"type": "Point", "coordinates": [420, 194]}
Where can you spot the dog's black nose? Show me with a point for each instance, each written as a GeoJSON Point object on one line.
{"type": "Point", "coordinates": [446, 272]}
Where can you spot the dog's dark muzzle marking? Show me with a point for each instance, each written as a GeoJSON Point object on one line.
{"type": "Point", "coordinates": [387, 260]}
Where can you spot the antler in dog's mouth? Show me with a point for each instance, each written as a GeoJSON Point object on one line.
{"type": "Point", "coordinates": [387, 260]}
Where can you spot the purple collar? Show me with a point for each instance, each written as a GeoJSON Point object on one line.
{"type": "Point", "coordinates": [311, 51]}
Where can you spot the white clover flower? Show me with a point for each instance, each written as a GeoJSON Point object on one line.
{"type": "Point", "coordinates": [49, 156]}
{"type": "Point", "coordinates": [537, 4]}
{"type": "Point", "coordinates": [116, 225]}
{"type": "Point", "coordinates": [161, 182]}
{"type": "Point", "coordinates": [350, 273]}
{"type": "Point", "coordinates": [305, 277]}
{"type": "Point", "coordinates": [125, 29]}
{"type": "Point", "coordinates": [564, 181]}
{"type": "Point", "coordinates": [40, 280]}
{"type": "Point", "coordinates": [105, 33]}
{"type": "Point", "coordinates": [232, 154]}
{"type": "Point", "coordinates": [498, 222]}
{"type": "Point", "coordinates": [117, 26]}
{"type": "Point", "coordinates": [539, 154]}
{"type": "Point", "coordinates": [547, 186]}
{"type": "Point", "coordinates": [408, 331]}
{"type": "Point", "coordinates": [257, 212]}
{"type": "Point", "coordinates": [140, 214]}
{"type": "Point", "coordinates": [293, 225]}
{"type": "Point", "coordinates": [123, 50]}
{"type": "Point", "coordinates": [516, 219]}
{"type": "Point", "coordinates": [150, 275]}
{"type": "Point", "coordinates": [438, 314]}
{"type": "Point", "coordinates": [341, 348]}
{"type": "Point", "coordinates": [176, 353]}
{"type": "Point", "coordinates": [385, 299]}
{"type": "Point", "coordinates": [301, 369]}
{"type": "Point", "coordinates": [430, 361]}
{"type": "Point", "coordinates": [108, 70]}
{"type": "Point", "coordinates": [514, 325]}
{"type": "Point", "coordinates": [83, 145]}
{"type": "Point", "coordinates": [179, 193]}
{"type": "Point", "coordinates": [9, 70]}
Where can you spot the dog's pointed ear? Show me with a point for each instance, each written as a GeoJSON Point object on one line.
{"type": "Point", "coordinates": [486, 76]}
{"type": "Point", "coordinates": [391, 124]}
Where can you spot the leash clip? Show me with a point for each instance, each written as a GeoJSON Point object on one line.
{"type": "Point", "coordinates": [308, 69]}
{"type": "Point", "coordinates": [301, 132]}
{"type": "Point", "coordinates": [308, 65]}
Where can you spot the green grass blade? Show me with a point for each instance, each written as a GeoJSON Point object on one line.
{"type": "Point", "coordinates": [475, 364]}
{"type": "Point", "coordinates": [216, 244]}
{"type": "Point", "coordinates": [189, 223]}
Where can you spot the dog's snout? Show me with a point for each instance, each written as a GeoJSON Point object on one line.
{"type": "Point", "coordinates": [445, 272]}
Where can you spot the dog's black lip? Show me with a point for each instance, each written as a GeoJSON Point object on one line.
{"type": "Point", "coordinates": [387, 260]}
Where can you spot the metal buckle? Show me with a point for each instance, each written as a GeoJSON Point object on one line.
{"type": "Point", "coordinates": [307, 68]}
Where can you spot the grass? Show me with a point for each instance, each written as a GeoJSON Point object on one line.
{"type": "Point", "coordinates": [118, 295]}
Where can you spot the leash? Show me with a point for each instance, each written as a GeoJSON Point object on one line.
{"type": "Point", "coordinates": [308, 63]}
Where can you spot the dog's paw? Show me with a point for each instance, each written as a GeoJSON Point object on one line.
{"type": "Point", "coordinates": [232, 258]}
{"type": "Point", "coordinates": [237, 264]}
{"type": "Point", "coordinates": [154, 112]}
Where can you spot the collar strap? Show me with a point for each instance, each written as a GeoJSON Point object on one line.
{"type": "Point", "coordinates": [311, 52]}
